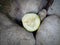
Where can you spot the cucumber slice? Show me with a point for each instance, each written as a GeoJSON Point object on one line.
{"type": "Point", "coordinates": [31, 22]}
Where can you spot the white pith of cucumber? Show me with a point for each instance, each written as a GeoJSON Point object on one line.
{"type": "Point", "coordinates": [31, 22]}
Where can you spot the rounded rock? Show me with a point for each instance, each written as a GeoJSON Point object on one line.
{"type": "Point", "coordinates": [49, 32]}
{"type": "Point", "coordinates": [12, 34]}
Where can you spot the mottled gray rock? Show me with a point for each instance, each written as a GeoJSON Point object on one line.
{"type": "Point", "coordinates": [5, 22]}
{"type": "Point", "coordinates": [49, 32]}
{"type": "Point", "coordinates": [12, 34]}
{"type": "Point", "coordinates": [21, 7]}
{"type": "Point", "coordinates": [55, 8]}
{"type": "Point", "coordinates": [42, 14]}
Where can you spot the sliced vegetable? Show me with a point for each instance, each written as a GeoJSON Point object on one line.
{"type": "Point", "coordinates": [31, 22]}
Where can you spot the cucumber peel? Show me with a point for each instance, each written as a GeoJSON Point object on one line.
{"type": "Point", "coordinates": [31, 22]}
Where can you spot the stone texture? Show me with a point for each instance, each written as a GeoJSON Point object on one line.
{"type": "Point", "coordinates": [12, 34]}
{"type": "Point", "coordinates": [49, 31]}
{"type": "Point", "coordinates": [55, 8]}
{"type": "Point", "coordinates": [21, 7]}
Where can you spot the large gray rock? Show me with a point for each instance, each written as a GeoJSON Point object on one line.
{"type": "Point", "coordinates": [21, 7]}
{"type": "Point", "coordinates": [12, 34]}
{"type": "Point", "coordinates": [55, 8]}
{"type": "Point", "coordinates": [49, 31]}
{"type": "Point", "coordinates": [5, 22]}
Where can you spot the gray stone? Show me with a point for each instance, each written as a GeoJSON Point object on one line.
{"type": "Point", "coordinates": [12, 34]}
{"type": "Point", "coordinates": [49, 31]}
{"type": "Point", "coordinates": [21, 7]}
{"type": "Point", "coordinates": [55, 8]}
{"type": "Point", "coordinates": [42, 14]}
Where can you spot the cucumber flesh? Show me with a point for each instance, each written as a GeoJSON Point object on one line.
{"type": "Point", "coordinates": [31, 22]}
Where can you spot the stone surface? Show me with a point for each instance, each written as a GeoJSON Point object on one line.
{"type": "Point", "coordinates": [42, 14]}
{"type": "Point", "coordinates": [49, 31]}
{"type": "Point", "coordinates": [21, 7]}
{"type": "Point", "coordinates": [12, 34]}
{"type": "Point", "coordinates": [55, 8]}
